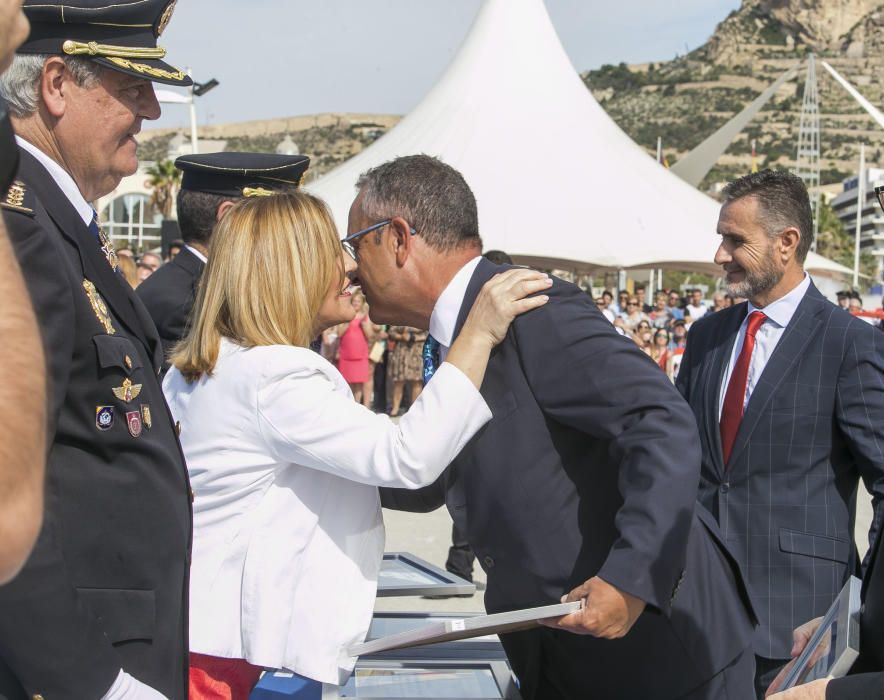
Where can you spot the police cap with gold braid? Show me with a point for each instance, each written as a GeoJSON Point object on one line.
{"type": "Point", "coordinates": [241, 174]}
{"type": "Point", "coordinates": [118, 34]}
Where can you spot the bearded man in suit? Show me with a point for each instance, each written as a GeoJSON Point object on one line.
{"type": "Point", "coordinates": [582, 486]}
{"type": "Point", "coordinates": [788, 392]}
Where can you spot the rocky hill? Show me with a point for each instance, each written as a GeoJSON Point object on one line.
{"type": "Point", "coordinates": [329, 139]}
{"type": "Point", "coordinates": [686, 99]}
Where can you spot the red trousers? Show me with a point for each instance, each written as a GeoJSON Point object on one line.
{"type": "Point", "coordinates": [216, 678]}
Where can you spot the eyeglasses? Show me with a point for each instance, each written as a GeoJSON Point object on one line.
{"type": "Point", "coordinates": [353, 250]}
{"type": "Point", "coordinates": [632, 303]}
{"type": "Point", "coordinates": [879, 193]}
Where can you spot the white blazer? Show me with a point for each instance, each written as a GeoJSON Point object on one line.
{"type": "Point", "coordinates": [288, 533]}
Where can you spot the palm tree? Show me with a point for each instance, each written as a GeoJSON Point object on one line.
{"type": "Point", "coordinates": [163, 182]}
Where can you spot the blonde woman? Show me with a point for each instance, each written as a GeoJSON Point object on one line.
{"type": "Point", "coordinates": [284, 465]}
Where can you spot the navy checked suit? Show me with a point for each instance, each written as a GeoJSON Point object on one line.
{"type": "Point", "coordinates": [813, 426]}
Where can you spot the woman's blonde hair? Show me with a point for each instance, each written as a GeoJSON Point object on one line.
{"type": "Point", "coordinates": [273, 261]}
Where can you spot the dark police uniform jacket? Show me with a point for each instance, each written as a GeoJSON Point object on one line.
{"type": "Point", "coordinates": [107, 584]}
{"type": "Point", "coordinates": [589, 467]}
{"type": "Point", "coordinates": [169, 294]}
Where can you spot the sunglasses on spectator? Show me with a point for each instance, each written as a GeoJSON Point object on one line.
{"type": "Point", "coordinates": [353, 250]}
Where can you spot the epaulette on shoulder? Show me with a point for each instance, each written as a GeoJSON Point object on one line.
{"type": "Point", "coordinates": [19, 198]}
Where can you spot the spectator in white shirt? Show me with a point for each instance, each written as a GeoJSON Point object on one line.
{"type": "Point", "coordinates": [284, 465]}
{"type": "Point", "coordinates": [696, 309]}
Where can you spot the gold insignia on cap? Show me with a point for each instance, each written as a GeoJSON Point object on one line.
{"type": "Point", "coordinates": [127, 392]}
{"type": "Point", "coordinates": [99, 307]}
{"type": "Point", "coordinates": [256, 192]}
{"type": "Point", "coordinates": [145, 69]}
{"type": "Point", "coordinates": [167, 15]}
{"type": "Point", "coordinates": [92, 48]}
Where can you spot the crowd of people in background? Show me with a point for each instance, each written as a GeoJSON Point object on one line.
{"type": "Point", "coordinates": [660, 330]}
{"type": "Point", "coordinates": [137, 268]}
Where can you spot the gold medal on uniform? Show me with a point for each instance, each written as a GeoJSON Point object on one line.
{"type": "Point", "coordinates": [99, 307]}
{"type": "Point", "coordinates": [128, 392]}
{"type": "Point", "coordinates": [145, 416]}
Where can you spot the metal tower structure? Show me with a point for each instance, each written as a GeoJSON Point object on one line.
{"type": "Point", "coordinates": [807, 164]}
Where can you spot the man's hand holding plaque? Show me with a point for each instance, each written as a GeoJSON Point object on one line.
{"type": "Point", "coordinates": [607, 612]}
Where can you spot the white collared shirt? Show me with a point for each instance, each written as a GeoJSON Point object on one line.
{"type": "Point", "coordinates": [447, 308]}
{"type": "Point", "coordinates": [197, 254]}
{"type": "Point", "coordinates": [779, 313]}
{"type": "Point", "coordinates": [63, 179]}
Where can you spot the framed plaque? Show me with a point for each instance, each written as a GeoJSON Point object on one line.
{"type": "Point", "coordinates": [403, 574]}
{"type": "Point", "coordinates": [450, 629]}
{"type": "Point", "coordinates": [835, 645]}
{"type": "Point", "coordinates": [427, 680]}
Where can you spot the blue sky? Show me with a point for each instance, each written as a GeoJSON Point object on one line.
{"type": "Point", "coordinates": [280, 58]}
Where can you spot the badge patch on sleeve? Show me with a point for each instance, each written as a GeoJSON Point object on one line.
{"type": "Point", "coordinates": [104, 417]}
{"type": "Point", "coordinates": [133, 420]}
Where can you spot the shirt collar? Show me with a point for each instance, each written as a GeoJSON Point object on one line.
{"type": "Point", "coordinates": [197, 254]}
{"type": "Point", "coordinates": [63, 179]}
{"type": "Point", "coordinates": [445, 312]}
{"type": "Point", "coordinates": [783, 309]}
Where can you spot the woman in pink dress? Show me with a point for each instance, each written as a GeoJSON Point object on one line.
{"type": "Point", "coordinates": [353, 350]}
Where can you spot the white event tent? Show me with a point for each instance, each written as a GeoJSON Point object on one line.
{"type": "Point", "coordinates": [558, 184]}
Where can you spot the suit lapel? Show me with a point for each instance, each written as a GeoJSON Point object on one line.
{"type": "Point", "coordinates": [803, 326]}
{"type": "Point", "coordinates": [112, 288]}
{"type": "Point", "coordinates": [723, 344]}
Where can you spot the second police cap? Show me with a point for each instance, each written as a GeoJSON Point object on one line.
{"type": "Point", "coordinates": [120, 35]}
{"type": "Point", "coordinates": [233, 174]}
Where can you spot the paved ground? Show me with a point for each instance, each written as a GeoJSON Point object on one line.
{"type": "Point", "coordinates": [429, 535]}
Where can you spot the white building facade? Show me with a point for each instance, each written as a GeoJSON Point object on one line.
{"type": "Point", "coordinates": [872, 222]}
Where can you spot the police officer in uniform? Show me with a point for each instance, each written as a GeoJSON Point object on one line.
{"type": "Point", "coordinates": [210, 185]}
{"type": "Point", "coordinates": [99, 610]}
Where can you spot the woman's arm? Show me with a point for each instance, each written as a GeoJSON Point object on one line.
{"type": "Point", "coordinates": [309, 420]}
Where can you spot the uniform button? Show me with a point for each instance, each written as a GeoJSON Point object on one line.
{"type": "Point", "coordinates": [128, 361]}
{"type": "Point", "coordinates": [38, 697]}
{"type": "Point", "coordinates": [489, 562]}
{"type": "Point", "coordinates": [178, 427]}
{"type": "Point", "coordinates": [724, 488]}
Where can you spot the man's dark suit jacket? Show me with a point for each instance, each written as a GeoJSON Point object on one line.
{"type": "Point", "coordinates": [813, 426]}
{"type": "Point", "coordinates": [107, 584]}
{"type": "Point", "coordinates": [169, 294]}
{"type": "Point", "coordinates": [589, 467]}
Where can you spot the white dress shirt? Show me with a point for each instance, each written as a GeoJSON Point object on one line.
{"type": "Point", "coordinates": [63, 179]}
{"type": "Point", "coordinates": [288, 534]}
{"type": "Point", "coordinates": [778, 313]}
{"type": "Point", "coordinates": [199, 256]}
{"type": "Point", "coordinates": [447, 308]}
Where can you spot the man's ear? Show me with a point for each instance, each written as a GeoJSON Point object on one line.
{"type": "Point", "coordinates": [401, 240]}
{"type": "Point", "coordinates": [788, 243]}
{"type": "Point", "coordinates": [222, 209]}
{"type": "Point", "coordinates": [54, 83]}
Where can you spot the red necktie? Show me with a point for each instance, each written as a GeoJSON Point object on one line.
{"type": "Point", "coordinates": [732, 409]}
